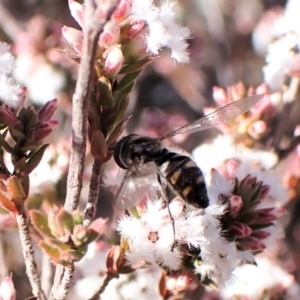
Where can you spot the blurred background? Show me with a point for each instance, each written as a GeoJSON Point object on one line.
{"type": "Point", "coordinates": [229, 43]}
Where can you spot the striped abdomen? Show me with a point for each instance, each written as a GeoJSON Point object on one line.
{"type": "Point", "coordinates": [184, 176]}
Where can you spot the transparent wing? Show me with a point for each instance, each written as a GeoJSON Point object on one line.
{"type": "Point", "coordinates": [218, 117]}
{"type": "Point", "coordinates": [139, 181]}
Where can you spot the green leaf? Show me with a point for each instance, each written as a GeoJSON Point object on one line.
{"type": "Point", "coordinates": [40, 223]}
{"type": "Point", "coordinates": [117, 131]}
{"type": "Point", "coordinates": [127, 80]}
{"type": "Point", "coordinates": [136, 65]}
{"type": "Point", "coordinates": [65, 220]}
{"type": "Point", "coordinates": [34, 161]}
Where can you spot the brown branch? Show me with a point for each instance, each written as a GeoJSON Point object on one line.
{"type": "Point", "coordinates": [65, 284]}
{"type": "Point", "coordinates": [3, 267]}
{"type": "Point", "coordinates": [28, 253]}
{"type": "Point", "coordinates": [46, 274]}
{"type": "Point", "coordinates": [91, 206]}
{"type": "Point", "coordinates": [95, 19]}
{"type": "Point", "coordinates": [109, 276]}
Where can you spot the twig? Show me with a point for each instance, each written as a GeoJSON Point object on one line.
{"type": "Point", "coordinates": [65, 284]}
{"type": "Point", "coordinates": [46, 274]}
{"type": "Point", "coordinates": [95, 20]}
{"type": "Point", "coordinates": [109, 276]}
{"type": "Point", "coordinates": [28, 253]}
{"type": "Point", "coordinates": [3, 267]}
{"type": "Point", "coordinates": [90, 209]}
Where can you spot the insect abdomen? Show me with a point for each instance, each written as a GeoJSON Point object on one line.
{"type": "Point", "coordinates": [185, 177]}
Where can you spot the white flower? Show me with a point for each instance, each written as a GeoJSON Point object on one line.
{"type": "Point", "coordinates": [163, 31]}
{"type": "Point", "coordinates": [42, 80]}
{"type": "Point", "coordinates": [266, 279]}
{"type": "Point", "coordinates": [142, 284]}
{"type": "Point", "coordinates": [11, 93]}
{"type": "Point", "coordinates": [222, 148]}
{"type": "Point", "coordinates": [6, 59]}
{"type": "Point", "coordinates": [151, 237]}
{"type": "Point", "coordinates": [282, 59]}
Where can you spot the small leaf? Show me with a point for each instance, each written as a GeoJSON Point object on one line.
{"type": "Point", "coordinates": [19, 165]}
{"type": "Point", "coordinates": [5, 145]}
{"type": "Point", "coordinates": [15, 190]}
{"type": "Point", "coordinates": [136, 65]}
{"type": "Point", "coordinates": [65, 221]}
{"type": "Point", "coordinates": [127, 80]}
{"type": "Point", "coordinates": [104, 93]}
{"type": "Point", "coordinates": [34, 161]}
{"type": "Point", "coordinates": [98, 146]}
{"type": "Point", "coordinates": [8, 205]}
{"type": "Point", "coordinates": [117, 131]}
{"type": "Point", "coordinates": [40, 223]}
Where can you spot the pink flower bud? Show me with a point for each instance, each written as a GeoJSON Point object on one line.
{"type": "Point", "coordinates": [46, 112]}
{"type": "Point", "coordinates": [10, 119]}
{"type": "Point", "coordinates": [260, 234]}
{"type": "Point", "coordinates": [110, 34]}
{"type": "Point", "coordinates": [183, 282]}
{"type": "Point", "coordinates": [122, 10]}
{"type": "Point", "coordinates": [114, 61]}
{"type": "Point", "coordinates": [266, 215]}
{"type": "Point", "coordinates": [133, 30]}
{"type": "Point", "coordinates": [240, 229]}
{"type": "Point", "coordinates": [7, 290]}
{"type": "Point", "coordinates": [77, 11]}
{"type": "Point", "coordinates": [252, 244]}
{"type": "Point", "coordinates": [42, 131]}
{"type": "Point", "coordinates": [220, 96]}
{"type": "Point", "coordinates": [235, 205]}
{"type": "Point", "coordinates": [231, 167]}
{"type": "Point", "coordinates": [257, 129]}
{"type": "Point", "coordinates": [264, 191]}
{"type": "Point", "coordinates": [74, 38]}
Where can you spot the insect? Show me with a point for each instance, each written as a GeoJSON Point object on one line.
{"type": "Point", "coordinates": [181, 173]}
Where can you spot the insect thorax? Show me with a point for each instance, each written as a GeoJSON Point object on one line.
{"type": "Point", "coordinates": [144, 149]}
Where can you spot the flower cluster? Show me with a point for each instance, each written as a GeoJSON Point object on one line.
{"type": "Point", "coordinates": [283, 60]}
{"type": "Point", "coordinates": [137, 29]}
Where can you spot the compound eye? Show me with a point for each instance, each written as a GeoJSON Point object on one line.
{"type": "Point", "coordinates": [120, 155]}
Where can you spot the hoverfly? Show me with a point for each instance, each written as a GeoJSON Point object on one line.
{"type": "Point", "coordinates": [179, 171]}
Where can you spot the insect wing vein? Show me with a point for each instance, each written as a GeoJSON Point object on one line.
{"type": "Point", "coordinates": [219, 116]}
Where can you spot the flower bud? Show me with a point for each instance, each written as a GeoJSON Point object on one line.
{"type": "Point", "coordinates": [183, 282]}
{"type": "Point", "coordinates": [133, 30]}
{"type": "Point", "coordinates": [46, 112]}
{"type": "Point", "coordinates": [257, 129]}
{"type": "Point", "coordinates": [240, 229]}
{"type": "Point", "coordinates": [235, 205]}
{"type": "Point", "coordinates": [113, 62]}
{"type": "Point", "coordinates": [7, 290]}
{"type": "Point", "coordinates": [110, 34]}
{"type": "Point", "coordinates": [266, 215]}
{"type": "Point", "coordinates": [220, 96]}
{"type": "Point", "coordinates": [74, 38]}
{"type": "Point", "coordinates": [122, 10]}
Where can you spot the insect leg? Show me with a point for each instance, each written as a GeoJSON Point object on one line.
{"type": "Point", "coordinates": [164, 195]}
